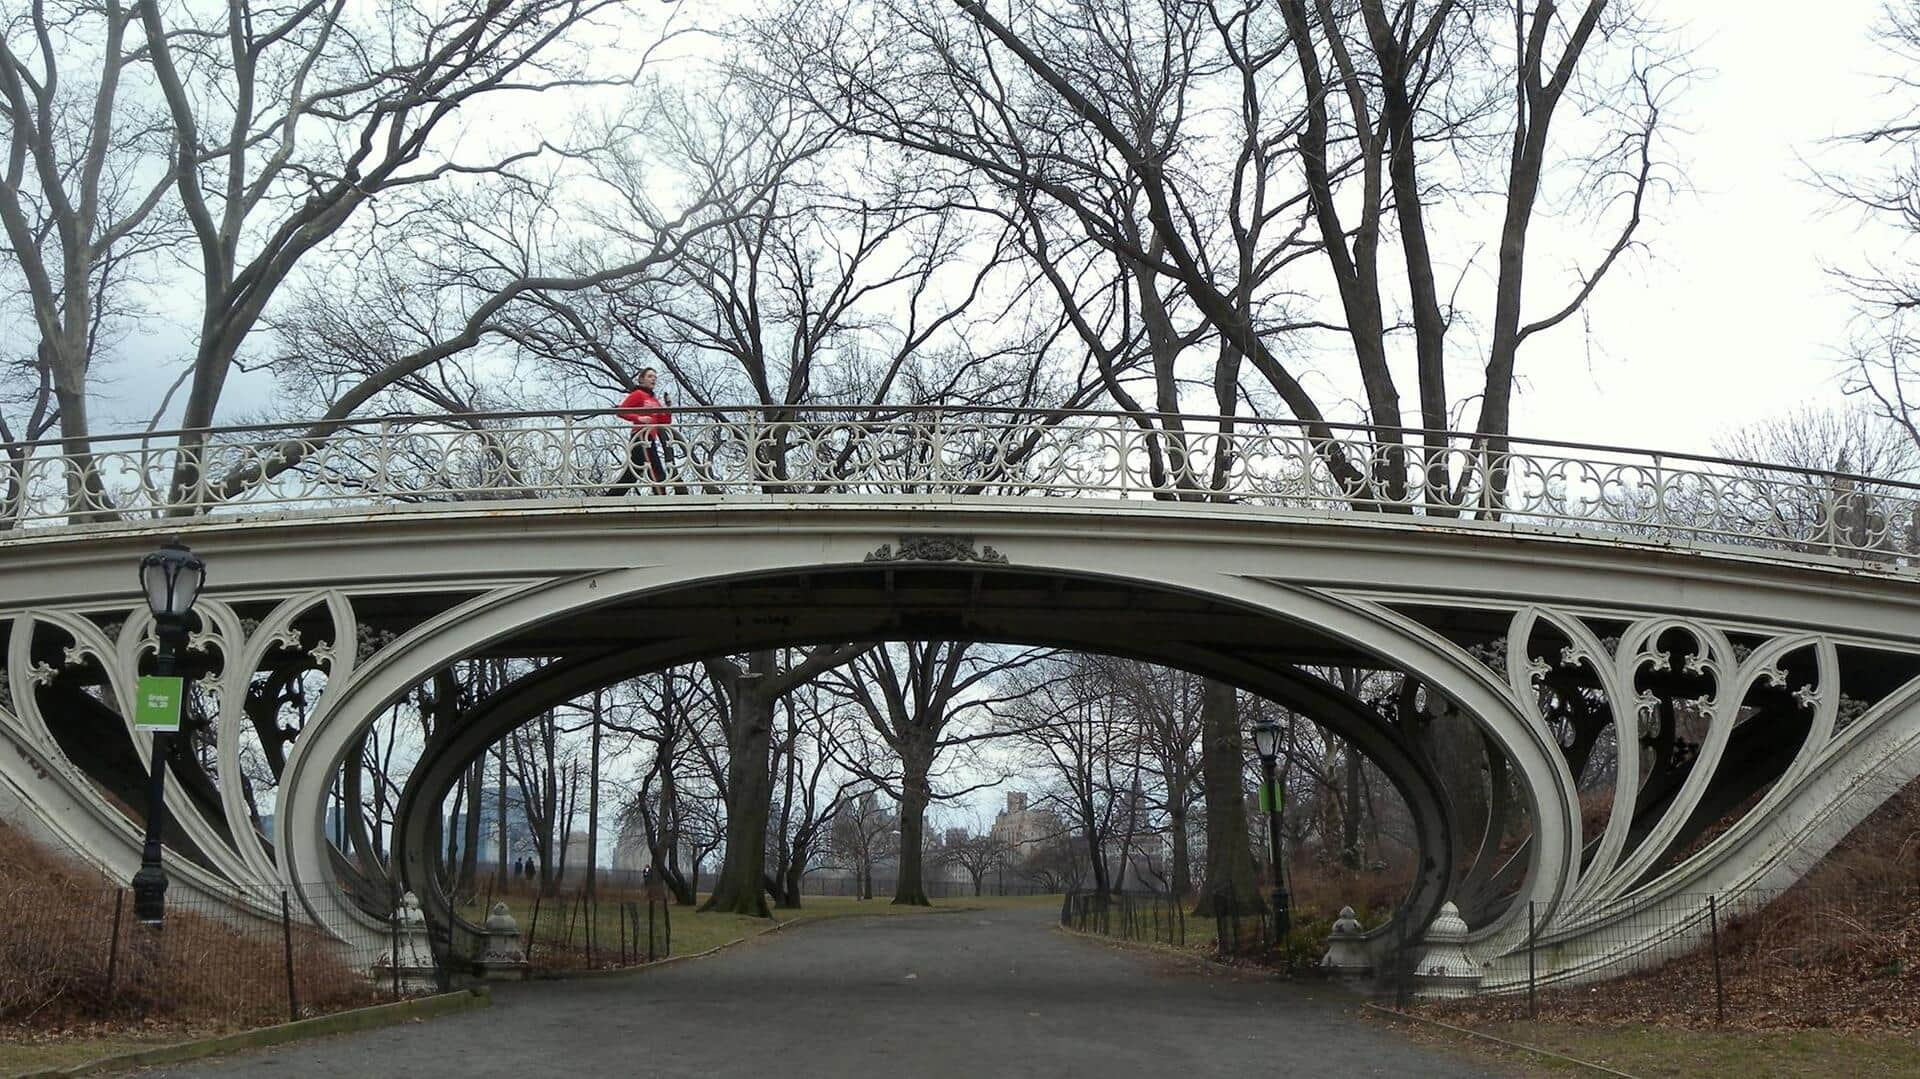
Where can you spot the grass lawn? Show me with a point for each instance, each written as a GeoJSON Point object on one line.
{"type": "Point", "coordinates": [59, 1049]}
{"type": "Point", "coordinates": [1651, 1052]}
{"type": "Point", "coordinates": [696, 931]}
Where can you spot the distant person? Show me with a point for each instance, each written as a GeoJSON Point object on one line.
{"type": "Point", "coordinates": [646, 444]}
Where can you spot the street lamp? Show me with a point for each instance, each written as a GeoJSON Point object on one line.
{"type": "Point", "coordinates": [171, 578]}
{"type": "Point", "coordinates": [1266, 742]}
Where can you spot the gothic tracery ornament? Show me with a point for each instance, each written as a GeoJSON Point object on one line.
{"type": "Point", "coordinates": [937, 549]}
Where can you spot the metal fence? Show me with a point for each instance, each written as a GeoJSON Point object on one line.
{"type": "Point", "coordinates": [1805, 955]}
{"type": "Point", "coordinates": [1808, 955]}
{"type": "Point", "coordinates": [893, 451]}
{"type": "Point", "coordinates": [1153, 917]}
{"type": "Point", "coordinates": [76, 952]}
{"type": "Point", "coordinates": [597, 930]}
{"type": "Point", "coordinates": [1223, 926]}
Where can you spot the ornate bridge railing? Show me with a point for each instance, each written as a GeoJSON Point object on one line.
{"type": "Point", "coordinates": [828, 450]}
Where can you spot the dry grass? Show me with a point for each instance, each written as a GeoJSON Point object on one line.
{"type": "Point", "coordinates": [62, 963]}
{"type": "Point", "coordinates": [1840, 949]}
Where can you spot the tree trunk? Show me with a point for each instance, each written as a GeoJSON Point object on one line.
{"type": "Point", "coordinates": [363, 850]}
{"type": "Point", "coordinates": [1229, 853]}
{"type": "Point", "coordinates": [467, 881]}
{"type": "Point", "coordinates": [1182, 856]}
{"type": "Point", "coordinates": [791, 900]}
{"type": "Point", "coordinates": [666, 857]}
{"type": "Point", "coordinates": [740, 887]}
{"type": "Point", "coordinates": [910, 889]}
{"type": "Point", "coordinates": [1097, 858]}
{"type": "Point", "coordinates": [1350, 814]}
{"type": "Point", "coordinates": [500, 815]}
{"type": "Point", "coordinates": [593, 804]}
{"type": "Point", "coordinates": [449, 869]}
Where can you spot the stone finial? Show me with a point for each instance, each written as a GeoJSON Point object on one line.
{"type": "Point", "coordinates": [410, 952]}
{"type": "Point", "coordinates": [500, 920]}
{"type": "Point", "coordinates": [501, 957]}
{"type": "Point", "coordinates": [1445, 969]}
{"type": "Point", "coordinates": [1346, 948]}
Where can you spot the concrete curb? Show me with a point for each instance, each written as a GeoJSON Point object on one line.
{"type": "Point", "coordinates": [379, 1015]}
{"type": "Point", "coordinates": [1504, 1043]}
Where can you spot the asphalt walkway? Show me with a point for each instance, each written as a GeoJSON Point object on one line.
{"type": "Point", "coordinates": [948, 994]}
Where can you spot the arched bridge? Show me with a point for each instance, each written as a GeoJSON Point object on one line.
{"type": "Point", "coordinates": [1693, 675]}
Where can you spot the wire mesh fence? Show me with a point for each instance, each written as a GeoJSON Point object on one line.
{"type": "Point", "coordinates": [76, 951]}
{"type": "Point", "coordinates": [598, 930]}
{"type": "Point", "coordinates": [1153, 917]}
{"type": "Point", "coordinates": [1804, 955]}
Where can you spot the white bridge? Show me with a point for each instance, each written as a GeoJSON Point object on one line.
{"type": "Point", "coordinates": [1694, 675]}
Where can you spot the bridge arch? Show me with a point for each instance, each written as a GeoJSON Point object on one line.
{"type": "Point", "coordinates": [1423, 596]}
{"type": "Point", "coordinates": [1283, 610]}
{"type": "Point", "coordinates": [446, 758]}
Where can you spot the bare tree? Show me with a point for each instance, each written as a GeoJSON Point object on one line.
{"type": "Point", "coordinates": [978, 853]}
{"type": "Point", "coordinates": [913, 697]}
{"type": "Point", "coordinates": [86, 171]}
{"type": "Point", "coordinates": [749, 688]}
{"type": "Point", "coordinates": [865, 833]}
{"type": "Point", "coordinates": [1165, 707]}
{"type": "Point", "coordinates": [1876, 172]}
{"type": "Point", "coordinates": [813, 789]}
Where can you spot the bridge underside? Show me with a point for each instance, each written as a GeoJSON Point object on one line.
{"type": "Point", "coordinates": [1651, 725]}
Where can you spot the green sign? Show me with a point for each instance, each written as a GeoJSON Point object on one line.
{"type": "Point", "coordinates": [156, 704]}
{"type": "Point", "coordinates": [1269, 797]}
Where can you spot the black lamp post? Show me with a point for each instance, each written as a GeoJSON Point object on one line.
{"type": "Point", "coordinates": [171, 578]}
{"type": "Point", "coordinates": [1266, 742]}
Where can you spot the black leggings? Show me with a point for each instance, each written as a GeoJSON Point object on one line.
{"type": "Point", "coordinates": [643, 459]}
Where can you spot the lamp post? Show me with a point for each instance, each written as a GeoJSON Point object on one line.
{"type": "Point", "coordinates": [1266, 742]}
{"type": "Point", "coordinates": [171, 578]}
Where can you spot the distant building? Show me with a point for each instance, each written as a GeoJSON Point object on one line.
{"type": "Point", "coordinates": [1020, 828]}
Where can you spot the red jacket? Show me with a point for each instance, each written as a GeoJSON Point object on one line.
{"type": "Point", "coordinates": [643, 409]}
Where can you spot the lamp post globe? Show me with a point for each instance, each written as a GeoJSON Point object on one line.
{"type": "Point", "coordinates": [1266, 740]}
{"type": "Point", "coordinates": [170, 578]}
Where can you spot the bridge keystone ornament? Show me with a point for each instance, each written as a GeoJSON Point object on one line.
{"type": "Point", "coordinates": [937, 549]}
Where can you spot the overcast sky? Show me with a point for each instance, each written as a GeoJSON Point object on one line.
{"type": "Point", "coordinates": [1729, 316]}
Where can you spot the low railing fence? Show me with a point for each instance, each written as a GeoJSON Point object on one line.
{"type": "Point", "coordinates": [908, 451]}
{"type": "Point", "coordinates": [589, 929]}
{"type": "Point", "coordinates": [1815, 954]}
{"type": "Point", "coordinates": [1151, 917]}
{"type": "Point", "coordinates": [1812, 954]}
{"type": "Point", "coordinates": [73, 951]}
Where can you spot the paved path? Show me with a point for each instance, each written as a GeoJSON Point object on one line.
{"type": "Point", "coordinates": [963, 994]}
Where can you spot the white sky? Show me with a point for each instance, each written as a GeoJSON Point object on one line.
{"type": "Point", "coordinates": [1728, 318]}
{"type": "Point", "coordinates": [1732, 317]}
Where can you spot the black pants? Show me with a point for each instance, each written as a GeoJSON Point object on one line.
{"type": "Point", "coordinates": [644, 458]}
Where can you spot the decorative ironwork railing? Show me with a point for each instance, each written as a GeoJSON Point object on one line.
{"type": "Point", "coordinates": [908, 451]}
